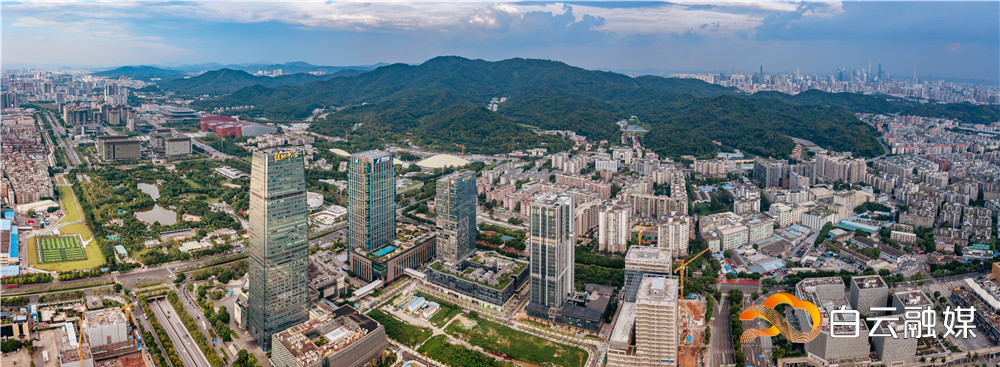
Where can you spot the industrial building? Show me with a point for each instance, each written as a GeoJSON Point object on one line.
{"type": "Point", "coordinates": [341, 337]}
{"type": "Point", "coordinates": [170, 144]}
{"type": "Point", "coordinates": [910, 299]}
{"type": "Point", "coordinates": [9, 253]}
{"type": "Point", "coordinates": [894, 350]}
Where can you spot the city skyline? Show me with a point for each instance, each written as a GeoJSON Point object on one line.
{"type": "Point", "coordinates": [953, 41]}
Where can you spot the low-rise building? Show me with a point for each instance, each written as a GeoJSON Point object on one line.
{"type": "Point", "coordinates": [341, 337]}
{"type": "Point", "coordinates": [484, 275]}
{"type": "Point", "coordinates": [388, 262]}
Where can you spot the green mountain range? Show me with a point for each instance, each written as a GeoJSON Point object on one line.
{"type": "Point", "coordinates": [441, 103]}
{"type": "Point", "coordinates": [225, 81]}
{"type": "Point", "coordinates": [141, 72]}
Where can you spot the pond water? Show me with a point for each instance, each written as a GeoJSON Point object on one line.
{"type": "Point", "coordinates": [157, 213]}
{"type": "Point", "coordinates": [150, 189]}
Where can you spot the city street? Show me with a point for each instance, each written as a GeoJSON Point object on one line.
{"type": "Point", "coordinates": [758, 353]}
{"type": "Point", "coordinates": [721, 344]}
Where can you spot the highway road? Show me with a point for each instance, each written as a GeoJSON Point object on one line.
{"type": "Point", "coordinates": [185, 346]}
{"type": "Point", "coordinates": [60, 136]}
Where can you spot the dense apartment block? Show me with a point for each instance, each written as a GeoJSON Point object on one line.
{"type": "Point", "coordinates": [675, 234]}
{"type": "Point", "coordinates": [614, 225]}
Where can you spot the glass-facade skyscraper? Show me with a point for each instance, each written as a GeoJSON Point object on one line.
{"type": "Point", "coordinates": [279, 249]}
{"type": "Point", "coordinates": [551, 246]}
{"type": "Point", "coordinates": [371, 201]}
{"type": "Point", "coordinates": [456, 215]}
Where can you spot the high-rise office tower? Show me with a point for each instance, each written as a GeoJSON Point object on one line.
{"type": "Point", "coordinates": [371, 200]}
{"type": "Point", "coordinates": [551, 249]}
{"type": "Point", "coordinates": [456, 215]}
{"type": "Point", "coordinates": [279, 250]}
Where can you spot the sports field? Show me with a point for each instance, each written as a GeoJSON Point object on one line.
{"type": "Point", "coordinates": [60, 249]}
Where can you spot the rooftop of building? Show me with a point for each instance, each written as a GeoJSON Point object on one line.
{"type": "Point", "coordinates": [505, 269]}
{"type": "Point", "coordinates": [329, 332]}
{"type": "Point", "coordinates": [116, 317]}
{"type": "Point", "coordinates": [551, 199]}
{"type": "Point", "coordinates": [592, 304]}
{"type": "Point", "coordinates": [869, 282]}
{"type": "Point", "coordinates": [648, 254]}
{"type": "Point", "coordinates": [657, 289]}
{"type": "Point", "coordinates": [621, 334]}
{"type": "Point", "coordinates": [813, 282]}
{"type": "Point", "coordinates": [373, 154]}
{"type": "Point", "coordinates": [914, 298]}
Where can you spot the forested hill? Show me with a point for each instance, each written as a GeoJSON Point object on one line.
{"type": "Point", "coordinates": [225, 81]}
{"type": "Point", "coordinates": [441, 102]}
{"type": "Point", "coordinates": [141, 72]}
{"type": "Point", "coordinates": [965, 112]}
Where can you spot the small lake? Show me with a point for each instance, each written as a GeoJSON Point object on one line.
{"type": "Point", "coordinates": [157, 213]}
{"type": "Point", "coordinates": [150, 189]}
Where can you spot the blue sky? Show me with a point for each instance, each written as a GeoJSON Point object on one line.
{"type": "Point", "coordinates": [951, 40]}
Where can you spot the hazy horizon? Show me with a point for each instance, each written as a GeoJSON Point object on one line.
{"type": "Point", "coordinates": [956, 41]}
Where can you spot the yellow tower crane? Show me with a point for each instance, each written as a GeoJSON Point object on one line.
{"type": "Point", "coordinates": [683, 265]}
{"type": "Point", "coordinates": [79, 344]}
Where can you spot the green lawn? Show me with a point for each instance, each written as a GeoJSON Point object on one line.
{"type": "Point", "coordinates": [61, 249]}
{"type": "Point", "coordinates": [400, 331]}
{"type": "Point", "coordinates": [516, 344]}
{"type": "Point", "coordinates": [70, 206]}
{"type": "Point", "coordinates": [94, 259]}
{"type": "Point", "coordinates": [439, 349]}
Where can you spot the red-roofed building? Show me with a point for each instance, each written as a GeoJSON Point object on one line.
{"type": "Point", "coordinates": [225, 126]}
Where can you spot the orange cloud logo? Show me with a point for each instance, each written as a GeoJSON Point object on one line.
{"type": "Point", "coordinates": [779, 325]}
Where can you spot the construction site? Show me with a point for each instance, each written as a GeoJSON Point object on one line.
{"type": "Point", "coordinates": [692, 332]}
